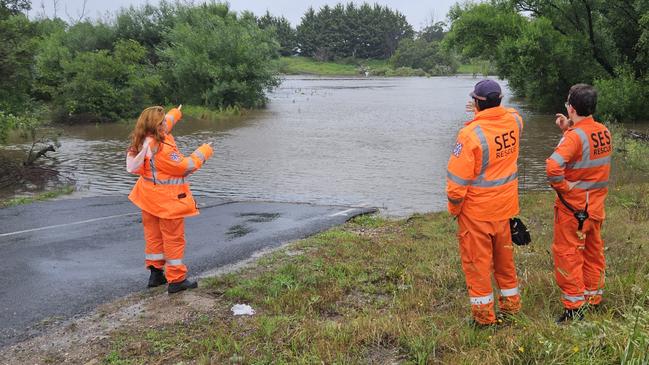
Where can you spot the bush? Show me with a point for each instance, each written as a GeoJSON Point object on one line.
{"type": "Point", "coordinates": [623, 98]}
{"type": "Point", "coordinates": [426, 55]}
{"type": "Point", "coordinates": [217, 59]}
{"type": "Point", "coordinates": [106, 86]}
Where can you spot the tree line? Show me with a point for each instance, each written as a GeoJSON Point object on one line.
{"type": "Point", "coordinates": [106, 70]}
{"type": "Point", "coordinates": [542, 47]}
{"type": "Point", "coordinates": [207, 55]}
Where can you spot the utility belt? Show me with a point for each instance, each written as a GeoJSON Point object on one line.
{"type": "Point", "coordinates": [580, 215]}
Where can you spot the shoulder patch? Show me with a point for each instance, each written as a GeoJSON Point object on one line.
{"type": "Point", "coordinates": [457, 150]}
{"type": "Point", "coordinates": [174, 156]}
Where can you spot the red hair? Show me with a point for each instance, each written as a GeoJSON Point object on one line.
{"type": "Point", "coordinates": [147, 126]}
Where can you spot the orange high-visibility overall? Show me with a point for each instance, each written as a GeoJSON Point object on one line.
{"type": "Point", "coordinates": [162, 192]}
{"type": "Point", "coordinates": [579, 170]}
{"type": "Point", "coordinates": [482, 191]}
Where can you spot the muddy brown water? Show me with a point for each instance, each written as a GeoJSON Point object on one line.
{"type": "Point", "coordinates": [380, 142]}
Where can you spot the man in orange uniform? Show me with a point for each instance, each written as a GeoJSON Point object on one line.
{"type": "Point", "coordinates": [162, 192]}
{"type": "Point", "coordinates": [579, 171]}
{"type": "Point", "coordinates": [482, 190]}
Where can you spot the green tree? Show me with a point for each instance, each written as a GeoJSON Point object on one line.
{"type": "Point", "coordinates": [147, 25]}
{"type": "Point", "coordinates": [106, 86]}
{"type": "Point", "coordinates": [477, 29]}
{"type": "Point", "coordinates": [429, 56]}
{"type": "Point", "coordinates": [17, 35]}
{"type": "Point", "coordinates": [215, 58]}
{"type": "Point", "coordinates": [350, 31]}
{"type": "Point", "coordinates": [284, 33]}
{"type": "Point", "coordinates": [14, 7]}
{"type": "Point", "coordinates": [558, 43]}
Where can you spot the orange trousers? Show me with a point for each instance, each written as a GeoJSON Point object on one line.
{"type": "Point", "coordinates": [579, 265]}
{"type": "Point", "coordinates": [486, 248]}
{"type": "Point", "coordinates": [165, 245]}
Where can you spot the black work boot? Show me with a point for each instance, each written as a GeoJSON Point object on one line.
{"type": "Point", "coordinates": [185, 284]}
{"type": "Point", "coordinates": [157, 277]}
{"type": "Point", "coordinates": [571, 315]}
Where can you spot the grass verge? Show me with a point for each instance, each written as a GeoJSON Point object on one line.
{"type": "Point", "coordinates": [383, 291]}
{"type": "Point", "coordinates": [201, 112]}
{"type": "Point", "coordinates": [64, 190]}
{"type": "Point", "coordinates": [483, 68]}
{"type": "Point", "coordinates": [308, 66]}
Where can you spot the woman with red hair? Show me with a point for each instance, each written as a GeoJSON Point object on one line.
{"type": "Point", "coordinates": [162, 192]}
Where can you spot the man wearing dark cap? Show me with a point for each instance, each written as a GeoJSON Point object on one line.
{"type": "Point", "coordinates": [482, 191]}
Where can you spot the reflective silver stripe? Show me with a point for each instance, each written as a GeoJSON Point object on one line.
{"type": "Point", "coordinates": [153, 171]}
{"type": "Point", "coordinates": [191, 166]}
{"type": "Point", "coordinates": [174, 181]}
{"type": "Point", "coordinates": [559, 159]}
{"type": "Point", "coordinates": [458, 180]}
{"type": "Point", "coordinates": [497, 182]}
{"type": "Point", "coordinates": [555, 179]}
{"type": "Point", "coordinates": [594, 292]}
{"type": "Point", "coordinates": [154, 256]}
{"type": "Point", "coordinates": [200, 155]}
{"type": "Point", "coordinates": [509, 292]}
{"type": "Point", "coordinates": [591, 185]}
{"type": "Point", "coordinates": [481, 183]}
{"type": "Point", "coordinates": [482, 300]}
{"type": "Point", "coordinates": [585, 146]}
{"type": "Point", "coordinates": [485, 150]}
{"type": "Point", "coordinates": [455, 201]}
{"type": "Point", "coordinates": [573, 298]}
{"type": "Point", "coordinates": [584, 164]}
{"type": "Point", "coordinates": [175, 262]}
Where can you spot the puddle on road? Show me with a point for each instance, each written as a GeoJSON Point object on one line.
{"type": "Point", "coordinates": [260, 217]}
{"type": "Point", "coordinates": [238, 230]}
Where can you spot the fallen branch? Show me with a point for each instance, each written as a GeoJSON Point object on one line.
{"type": "Point", "coordinates": [33, 157]}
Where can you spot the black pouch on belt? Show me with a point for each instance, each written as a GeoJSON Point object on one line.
{"type": "Point", "coordinates": [520, 234]}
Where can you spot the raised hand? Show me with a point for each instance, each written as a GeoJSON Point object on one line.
{"type": "Point", "coordinates": [562, 122]}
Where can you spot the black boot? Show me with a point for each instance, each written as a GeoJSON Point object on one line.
{"type": "Point", "coordinates": [157, 277]}
{"type": "Point", "coordinates": [571, 315]}
{"type": "Point", "coordinates": [185, 284]}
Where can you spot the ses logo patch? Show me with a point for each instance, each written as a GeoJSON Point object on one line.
{"type": "Point", "coordinates": [174, 156]}
{"type": "Point", "coordinates": [457, 149]}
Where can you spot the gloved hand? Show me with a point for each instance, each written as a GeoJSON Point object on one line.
{"type": "Point", "coordinates": [520, 234]}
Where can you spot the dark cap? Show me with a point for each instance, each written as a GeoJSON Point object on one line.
{"type": "Point", "coordinates": [484, 88]}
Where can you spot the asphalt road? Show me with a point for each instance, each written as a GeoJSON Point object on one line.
{"type": "Point", "coordinates": [64, 258]}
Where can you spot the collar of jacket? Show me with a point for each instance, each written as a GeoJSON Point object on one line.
{"type": "Point", "coordinates": [582, 122]}
{"type": "Point", "coordinates": [490, 113]}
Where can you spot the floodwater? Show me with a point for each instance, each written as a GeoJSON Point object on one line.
{"type": "Point", "coordinates": [380, 142]}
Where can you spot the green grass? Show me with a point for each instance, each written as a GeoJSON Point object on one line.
{"type": "Point", "coordinates": [377, 289]}
{"type": "Point", "coordinates": [308, 66]}
{"type": "Point", "coordinates": [68, 189]}
{"type": "Point", "coordinates": [201, 112]}
{"type": "Point", "coordinates": [477, 68]}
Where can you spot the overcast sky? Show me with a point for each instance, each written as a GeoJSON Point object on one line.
{"type": "Point", "coordinates": [418, 12]}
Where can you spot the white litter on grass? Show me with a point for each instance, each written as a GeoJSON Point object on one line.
{"type": "Point", "coordinates": [242, 310]}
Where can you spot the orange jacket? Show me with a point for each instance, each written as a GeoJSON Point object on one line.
{"type": "Point", "coordinates": [580, 166]}
{"type": "Point", "coordinates": [162, 188]}
{"type": "Point", "coordinates": [482, 176]}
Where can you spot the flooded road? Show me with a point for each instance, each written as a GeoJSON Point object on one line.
{"type": "Point", "coordinates": [380, 142]}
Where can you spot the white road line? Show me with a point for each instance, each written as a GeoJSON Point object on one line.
{"type": "Point", "coordinates": [344, 212]}
{"type": "Point", "coordinates": [67, 224]}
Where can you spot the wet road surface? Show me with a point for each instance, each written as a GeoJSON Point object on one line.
{"type": "Point", "coordinates": [63, 258]}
